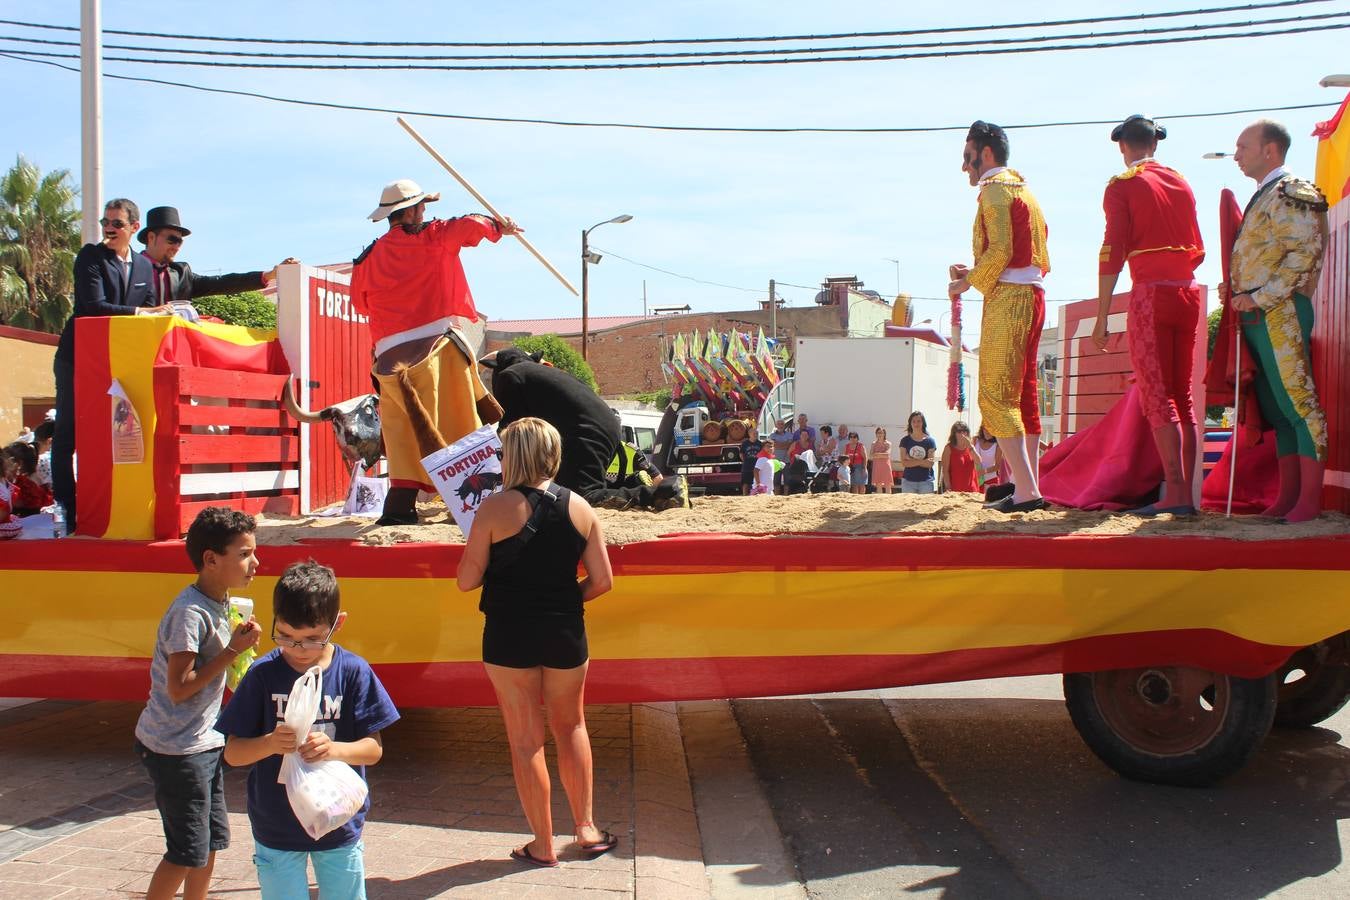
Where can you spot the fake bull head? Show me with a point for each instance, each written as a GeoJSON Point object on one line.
{"type": "Point", "coordinates": [356, 424]}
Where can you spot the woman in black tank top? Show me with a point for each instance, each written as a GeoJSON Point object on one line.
{"type": "Point", "coordinates": [523, 551]}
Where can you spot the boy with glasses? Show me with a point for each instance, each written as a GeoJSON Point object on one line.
{"type": "Point", "coordinates": [174, 735]}
{"type": "Point", "coordinates": [354, 709]}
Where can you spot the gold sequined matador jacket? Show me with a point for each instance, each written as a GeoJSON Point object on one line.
{"type": "Point", "coordinates": [1279, 248]}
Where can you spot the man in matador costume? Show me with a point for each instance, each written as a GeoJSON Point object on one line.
{"type": "Point", "coordinates": [1011, 262]}
{"type": "Point", "coordinates": [1151, 223]}
{"type": "Point", "coordinates": [411, 284]}
{"type": "Point", "coordinates": [1277, 259]}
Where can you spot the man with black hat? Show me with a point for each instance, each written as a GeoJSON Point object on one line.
{"type": "Point", "coordinates": [1151, 223]}
{"type": "Point", "coordinates": [411, 285]}
{"type": "Point", "coordinates": [1010, 265]}
{"type": "Point", "coordinates": [175, 282]}
{"type": "Point", "coordinates": [589, 429]}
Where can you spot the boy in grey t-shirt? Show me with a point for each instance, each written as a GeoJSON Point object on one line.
{"type": "Point", "coordinates": [175, 737]}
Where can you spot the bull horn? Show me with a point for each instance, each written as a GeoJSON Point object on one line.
{"type": "Point", "coordinates": [288, 400]}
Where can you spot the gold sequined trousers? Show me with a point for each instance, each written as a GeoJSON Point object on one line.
{"type": "Point", "coordinates": [1010, 333]}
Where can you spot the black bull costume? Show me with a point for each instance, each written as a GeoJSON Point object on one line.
{"type": "Point", "coordinates": [590, 431]}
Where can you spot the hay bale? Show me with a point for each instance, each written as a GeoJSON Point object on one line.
{"type": "Point", "coordinates": [736, 429]}
{"type": "Point", "coordinates": [712, 432]}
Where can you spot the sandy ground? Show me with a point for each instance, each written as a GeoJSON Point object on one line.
{"type": "Point", "coordinates": [835, 513]}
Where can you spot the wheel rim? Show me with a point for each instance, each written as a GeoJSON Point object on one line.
{"type": "Point", "coordinates": [1163, 711]}
{"type": "Point", "coordinates": [1303, 672]}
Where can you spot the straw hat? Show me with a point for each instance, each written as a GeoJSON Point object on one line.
{"type": "Point", "coordinates": [400, 195]}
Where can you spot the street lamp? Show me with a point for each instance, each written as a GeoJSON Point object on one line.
{"type": "Point", "coordinates": [897, 272]}
{"type": "Point", "coordinates": [588, 259]}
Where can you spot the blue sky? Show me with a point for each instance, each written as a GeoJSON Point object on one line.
{"type": "Point", "coordinates": [258, 181]}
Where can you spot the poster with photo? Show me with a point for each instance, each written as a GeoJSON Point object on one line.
{"type": "Point", "coordinates": [128, 440]}
{"type": "Point", "coordinates": [466, 473]}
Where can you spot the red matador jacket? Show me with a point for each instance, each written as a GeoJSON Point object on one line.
{"type": "Point", "coordinates": [405, 282]}
{"type": "Point", "coordinates": [1150, 221]}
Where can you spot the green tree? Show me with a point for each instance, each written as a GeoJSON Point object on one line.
{"type": "Point", "coordinates": [659, 398]}
{"type": "Point", "coordinates": [39, 237]}
{"type": "Point", "coordinates": [1212, 323]}
{"type": "Point", "coordinates": [560, 354]}
{"type": "Point", "coordinates": [250, 309]}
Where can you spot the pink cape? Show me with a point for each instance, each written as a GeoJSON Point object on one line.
{"type": "Point", "coordinates": [1113, 465]}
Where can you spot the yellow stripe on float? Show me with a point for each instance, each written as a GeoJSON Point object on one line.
{"type": "Point", "coordinates": [735, 614]}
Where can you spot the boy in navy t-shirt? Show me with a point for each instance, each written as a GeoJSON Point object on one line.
{"type": "Point", "coordinates": [354, 710]}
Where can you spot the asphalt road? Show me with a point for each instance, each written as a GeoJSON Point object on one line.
{"type": "Point", "coordinates": [986, 790]}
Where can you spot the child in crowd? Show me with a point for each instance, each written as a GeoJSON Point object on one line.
{"type": "Point", "coordinates": [883, 476]}
{"type": "Point", "coordinates": [306, 614]}
{"type": "Point", "coordinates": [174, 737]}
{"type": "Point", "coordinates": [42, 443]}
{"type": "Point", "coordinates": [27, 496]}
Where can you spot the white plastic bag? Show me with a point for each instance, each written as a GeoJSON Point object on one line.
{"type": "Point", "coordinates": [323, 795]}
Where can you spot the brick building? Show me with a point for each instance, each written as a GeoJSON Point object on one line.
{"type": "Point", "coordinates": [626, 352]}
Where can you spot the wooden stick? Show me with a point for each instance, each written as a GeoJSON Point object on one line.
{"type": "Point", "coordinates": [483, 200]}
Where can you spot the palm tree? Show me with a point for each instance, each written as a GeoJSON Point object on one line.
{"type": "Point", "coordinates": [39, 237]}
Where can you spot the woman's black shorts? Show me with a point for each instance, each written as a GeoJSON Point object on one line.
{"type": "Point", "coordinates": [557, 642]}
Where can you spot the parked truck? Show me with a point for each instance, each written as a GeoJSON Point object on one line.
{"type": "Point", "coordinates": [869, 383]}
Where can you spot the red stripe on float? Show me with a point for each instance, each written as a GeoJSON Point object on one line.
{"type": "Point", "coordinates": [652, 680]}
{"type": "Point", "coordinates": [695, 554]}
{"type": "Point", "coordinates": [93, 377]}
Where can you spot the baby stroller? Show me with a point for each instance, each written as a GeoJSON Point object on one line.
{"type": "Point", "coordinates": [796, 477]}
{"type": "Point", "coordinates": [823, 481]}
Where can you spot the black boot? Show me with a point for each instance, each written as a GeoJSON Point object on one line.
{"type": "Point", "coordinates": [400, 507]}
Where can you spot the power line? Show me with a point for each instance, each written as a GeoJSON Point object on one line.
{"type": "Point", "coordinates": [713, 129]}
{"type": "Point", "coordinates": [956, 29]}
{"type": "Point", "coordinates": [714, 54]}
{"type": "Point", "coordinates": [730, 287]}
{"type": "Point", "coordinates": [680, 64]}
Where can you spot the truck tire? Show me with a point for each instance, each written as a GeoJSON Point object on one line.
{"type": "Point", "coordinates": [1313, 685]}
{"type": "Point", "coordinates": [1171, 724]}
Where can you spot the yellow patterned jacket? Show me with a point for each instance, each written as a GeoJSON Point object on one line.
{"type": "Point", "coordinates": [1279, 248]}
{"type": "Point", "coordinates": [1009, 233]}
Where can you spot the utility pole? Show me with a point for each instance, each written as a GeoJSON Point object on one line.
{"type": "Point", "coordinates": [773, 308]}
{"type": "Point", "coordinates": [644, 298]}
{"type": "Point", "coordinates": [91, 120]}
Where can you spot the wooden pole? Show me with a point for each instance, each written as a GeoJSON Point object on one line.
{"type": "Point", "coordinates": [483, 200]}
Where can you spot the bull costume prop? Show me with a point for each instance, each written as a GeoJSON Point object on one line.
{"type": "Point", "coordinates": [590, 431]}
{"type": "Point", "coordinates": [411, 285]}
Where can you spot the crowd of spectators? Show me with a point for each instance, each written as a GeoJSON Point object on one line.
{"type": "Point", "coordinates": [798, 457]}
{"type": "Point", "coordinates": [26, 467]}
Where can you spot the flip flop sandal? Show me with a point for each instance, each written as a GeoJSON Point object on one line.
{"type": "Point", "coordinates": [525, 856]}
{"type": "Point", "coordinates": [606, 843]}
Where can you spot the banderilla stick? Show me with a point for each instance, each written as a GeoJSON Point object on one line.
{"type": "Point", "coordinates": [483, 200]}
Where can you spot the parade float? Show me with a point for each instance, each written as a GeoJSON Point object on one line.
{"type": "Point", "coordinates": [1179, 646]}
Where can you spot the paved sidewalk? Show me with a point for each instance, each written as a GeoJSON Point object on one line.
{"type": "Point", "coordinates": [77, 819]}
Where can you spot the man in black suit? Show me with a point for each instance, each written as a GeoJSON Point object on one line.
{"type": "Point", "coordinates": [110, 280]}
{"type": "Point", "coordinates": [175, 282]}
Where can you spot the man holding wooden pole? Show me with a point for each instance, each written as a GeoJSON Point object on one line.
{"type": "Point", "coordinates": [411, 284]}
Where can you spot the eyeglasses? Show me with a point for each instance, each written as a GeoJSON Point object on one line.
{"type": "Point", "coordinates": [302, 645]}
{"type": "Point", "coordinates": [115, 223]}
{"type": "Point", "coordinates": [174, 239]}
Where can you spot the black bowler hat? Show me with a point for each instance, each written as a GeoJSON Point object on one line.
{"type": "Point", "coordinates": [1137, 129]}
{"type": "Point", "coordinates": [162, 217]}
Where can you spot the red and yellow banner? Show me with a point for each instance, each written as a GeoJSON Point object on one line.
{"type": "Point", "coordinates": [701, 616]}
{"type": "Point", "coordinates": [117, 498]}
{"type": "Point", "coordinates": [1333, 154]}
